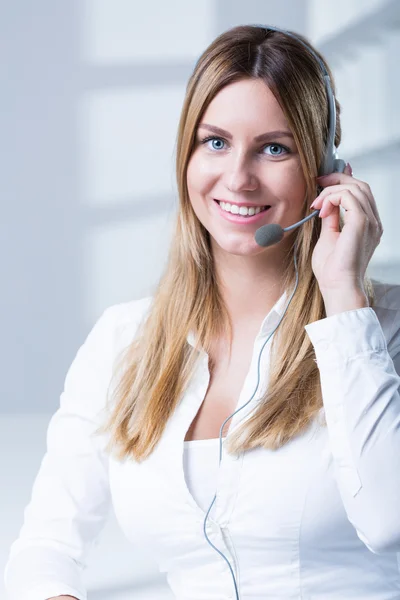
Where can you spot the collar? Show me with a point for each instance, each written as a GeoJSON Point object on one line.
{"type": "Point", "coordinates": [267, 326]}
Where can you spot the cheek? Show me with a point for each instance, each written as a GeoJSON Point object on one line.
{"type": "Point", "coordinates": [197, 186]}
{"type": "Point", "coordinates": [192, 176]}
{"type": "Point", "coordinates": [200, 176]}
{"type": "Point", "coordinates": [290, 184]}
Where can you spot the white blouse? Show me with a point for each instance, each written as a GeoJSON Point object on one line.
{"type": "Point", "coordinates": [318, 518]}
{"type": "Point", "coordinates": [200, 466]}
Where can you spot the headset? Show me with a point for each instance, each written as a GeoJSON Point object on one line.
{"type": "Point", "coordinates": [272, 233]}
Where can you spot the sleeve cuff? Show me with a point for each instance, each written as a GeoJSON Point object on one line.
{"type": "Point", "coordinates": [341, 337]}
{"type": "Point", "coordinates": [36, 573]}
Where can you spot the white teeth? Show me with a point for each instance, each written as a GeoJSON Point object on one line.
{"type": "Point", "coordinates": [243, 210]}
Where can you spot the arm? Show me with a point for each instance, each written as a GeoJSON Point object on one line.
{"type": "Point", "coordinates": [70, 497]}
{"type": "Point", "coordinates": [360, 380]}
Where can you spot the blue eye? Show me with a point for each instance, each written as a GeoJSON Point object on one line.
{"type": "Point", "coordinates": [218, 144]}
{"type": "Point", "coordinates": [276, 149]}
{"type": "Point", "coordinates": [213, 139]}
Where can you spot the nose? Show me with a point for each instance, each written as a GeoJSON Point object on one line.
{"type": "Point", "coordinates": [239, 177]}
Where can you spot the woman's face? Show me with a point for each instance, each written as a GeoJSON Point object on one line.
{"type": "Point", "coordinates": [244, 155]}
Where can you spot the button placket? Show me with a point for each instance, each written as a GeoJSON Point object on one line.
{"type": "Point", "coordinates": [231, 549]}
{"type": "Point", "coordinates": [228, 482]}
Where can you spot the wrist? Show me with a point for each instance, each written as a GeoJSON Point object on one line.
{"type": "Point", "coordinates": [342, 300]}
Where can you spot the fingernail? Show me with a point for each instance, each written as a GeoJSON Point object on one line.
{"type": "Point", "coordinates": [350, 168]}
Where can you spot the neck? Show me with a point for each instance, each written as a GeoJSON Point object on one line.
{"type": "Point", "coordinates": [250, 285]}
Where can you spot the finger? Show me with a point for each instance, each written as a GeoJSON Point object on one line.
{"type": "Point", "coordinates": [330, 224]}
{"type": "Point", "coordinates": [353, 187]}
{"type": "Point", "coordinates": [367, 191]}
{"type": "Point", "coordinates": [353, 234]}
{"type": "Point", "coordinates": [334, 179]}
{"type": "Point", "coordinates": [361, 197]}
{"type": "Point", "coordinates": [343, 178]}
{"type": "Point", "coordinates": [350, 203]}
{"type": "Point", "coordinates": [348, 170]}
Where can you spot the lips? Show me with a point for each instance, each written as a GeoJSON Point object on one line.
{"type": "Point", "coordinates": [243, 204]}
{"type": "Point", "coordinates": [243, 221]}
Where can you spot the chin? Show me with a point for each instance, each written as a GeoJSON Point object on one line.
{"type": "Point", "coordinates": [237, 247]}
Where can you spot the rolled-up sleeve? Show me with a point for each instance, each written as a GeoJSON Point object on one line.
{"type": "Point", "coordinates": [70, 498]}
{"type": "Point", "coordinates": [360, 382]}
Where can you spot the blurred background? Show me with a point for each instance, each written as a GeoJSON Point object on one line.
{"type": "Point", "coordinates": [90, 101]}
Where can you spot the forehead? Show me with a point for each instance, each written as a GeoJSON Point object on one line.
{"type": "Point", "coordinates": [247, 102]}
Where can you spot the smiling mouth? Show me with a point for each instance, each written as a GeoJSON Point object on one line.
{"type": "Point", "coordinates": [257, 207]}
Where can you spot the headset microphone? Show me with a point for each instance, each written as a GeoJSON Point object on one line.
{"type": "Point", "coordinates": [272, 233]}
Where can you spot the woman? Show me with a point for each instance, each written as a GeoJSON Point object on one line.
{"type": "Point", "coordinates": [302, 499]}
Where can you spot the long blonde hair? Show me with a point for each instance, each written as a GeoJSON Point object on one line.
{"type": "Point", "coordinates": [154, 370]}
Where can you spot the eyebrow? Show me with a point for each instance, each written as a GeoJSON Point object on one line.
{"type": "Point", "coordinates": [258, 138]}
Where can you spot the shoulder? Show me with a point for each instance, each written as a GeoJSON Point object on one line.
{"type": "Point", "coordinates": [122, 320]}
{"type": "Point", "coordinates": [132, 311]}
{"type": "Point", "coordinates": [387, 309]}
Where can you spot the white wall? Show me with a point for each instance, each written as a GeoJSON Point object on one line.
{"type": "Point", "coordinates": [90, 103]}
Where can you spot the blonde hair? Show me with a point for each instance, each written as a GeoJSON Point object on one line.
{"type": "Point", "coordinates": [156, 368]}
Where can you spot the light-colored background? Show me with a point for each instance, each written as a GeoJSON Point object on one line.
{"type": "Point", "coordinates": [90, 100]}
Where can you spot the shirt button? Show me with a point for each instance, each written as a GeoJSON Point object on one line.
{"type": "Point", "coordinates": [212, 527]}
